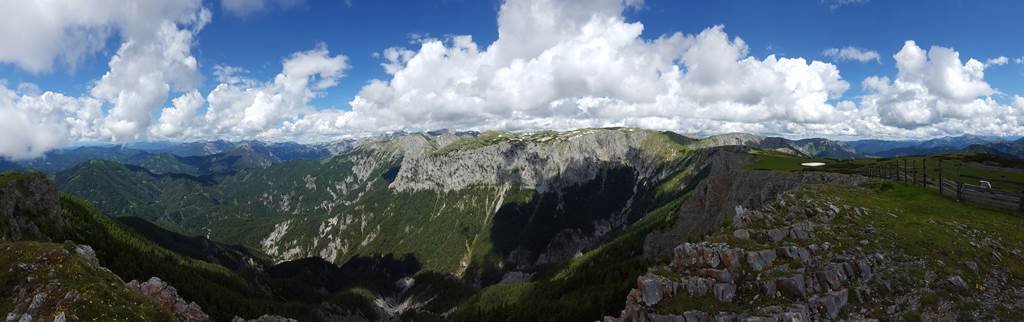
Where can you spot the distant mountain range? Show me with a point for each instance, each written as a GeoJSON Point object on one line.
{"type": "Point", "coordinates": [883, 148]}
{"type": "Point", "coordinates": [193, 158]}
{"type": "Point", "coordinates": [221, 157]}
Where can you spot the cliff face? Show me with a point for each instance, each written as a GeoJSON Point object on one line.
{"type": "Point", "coordinates": [728, 187]}
{"type": "Point", "coordinates": [29, 207]}
{"type": "Point", "coordinates": [541, 161]}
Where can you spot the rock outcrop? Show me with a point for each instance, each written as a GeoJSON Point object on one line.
{"type": "Point", "coordinates": [729, 187]}
{"type": "Point", "coordinates": [265, 318]}
{"type": "Point", "coordinates": [63, 282]}
{"type": "Point", "coordinates": [167, 296]}
{"type": "Point", "coordinates": [794, 278]}
{"type": "Point", "coordinates": [541, 161]}
{"type": "Point", "coordinates": [29, 207]}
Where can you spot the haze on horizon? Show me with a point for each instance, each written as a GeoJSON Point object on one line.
{"type": "Point", "coordinates": [185, 70]}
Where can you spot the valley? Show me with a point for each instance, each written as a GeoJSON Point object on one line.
{"type": "Point", "coordinates": [516, 226]}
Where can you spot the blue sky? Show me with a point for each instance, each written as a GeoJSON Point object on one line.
{"type": "Point", "coordinates": [146, 70]}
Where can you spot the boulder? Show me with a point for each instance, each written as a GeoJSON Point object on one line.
{"type": "Point", "coordinates": [88, 254]}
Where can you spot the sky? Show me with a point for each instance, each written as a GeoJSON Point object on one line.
{"type": "Point", "coordinates": [120, 71]}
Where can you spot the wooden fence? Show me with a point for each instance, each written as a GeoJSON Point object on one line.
{"type": "Point", "coordinates": [947, 178]}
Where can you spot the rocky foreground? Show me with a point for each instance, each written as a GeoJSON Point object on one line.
{"type": "Point", "coordinates": [809, 257]}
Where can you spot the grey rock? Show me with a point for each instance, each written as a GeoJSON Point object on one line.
{"type": "Point", "coordinates": [709, 256]}
{"type": "Point", "coordinates": [776, 234]}
{"type": "Point", "coordinates": [796, 313]}
{"type": "Point", "coordinates": [792, 286]}
{"type": "Point", "coordinates": [695, 316]}
{"type": "Point", "coordinates": [972, 265]}
{"type": "Point", "coordinates": [265, 318]}
{"type": "Point", "coordinates": [768, 287]}
{"type": "Point", "coordinates": [831, 302]}
{"type": "Point", "coordinates": [667, 318]}
{"type": "Point", "coordinates": [802, 231]}
{"type": "Point", "coordinates": [731, 258]}
{"type": "Point", "coordinates": [725, 317]}
{"type": "Point", "coordinates": [760, 260]}
{"type": "Point", "coordinates": [37, 301]}
{"type": "Point", "coordinates": [796, 253]}
{"type": "Point", "coordinates": [649, 289]}
{"type": "Point", "coordinates": [832, 276]}
{"type": "Point", "coordinates": [864, 269]}
{"type": "Point", "coordinates": [725, 292]}
{"type": "Point", "coordinates": [721, 275]}
{"type": "Point", "coordinates": [685, 255]}
{"type": "Point", "coordinates": [699, 286]}
{"type": "Point", "coordinates": [741, 234]}
{"type": "Point", "coordinates": [167, 296]}
{"type": "Point", "coordinates": [88, 254]}
{"type": "Point", "coordinates": [956, 282]}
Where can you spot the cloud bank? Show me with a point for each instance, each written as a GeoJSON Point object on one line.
{"type": "Point", "coordinates": [555, 65]}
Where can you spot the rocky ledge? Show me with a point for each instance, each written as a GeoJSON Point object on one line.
{"type": "Point", "coordinates": [811, 259]}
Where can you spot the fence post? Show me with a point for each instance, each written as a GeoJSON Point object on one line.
{"type": "Point", "coordinates": [906, 171]}
{"type": "Point", "coordinates": [902, 170]}
{"type": "Point", "coordinates": [1020, 206]}
{"type": "Point", "coordinates": [924, 172]}
{"type": "Point", "coordinates": [913, 173]}
{"type": "Point", "coordinates": [959, 184]}
{"type": "Point", "coordinates": [940, 176]}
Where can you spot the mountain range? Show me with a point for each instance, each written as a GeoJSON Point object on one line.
{"type": "Point", "coordinates": [579, 225]}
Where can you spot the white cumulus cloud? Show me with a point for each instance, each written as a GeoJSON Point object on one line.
{"type": "Point", "coordinates": [568, 64]}
{"type": "Point", "coordinates": [36, 33]}
{"type": "Point", "coordinates": [932, 87]}
{"type": "Point", "coordinates": [997, 61]}
{"type": "Point", "coordinates": [244, 8]}
{"type": "Point", "coordinates": [852, 54]}
{"type": "Point", "coordinates": [240, 110]}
